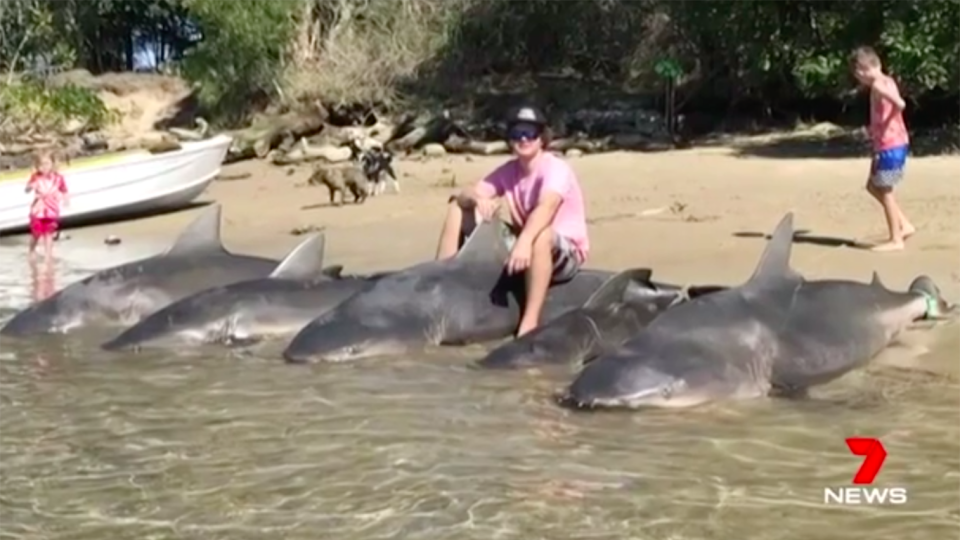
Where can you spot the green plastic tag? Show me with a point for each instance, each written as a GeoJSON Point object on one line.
{"type": "Point", "coordinates": [933, 306]}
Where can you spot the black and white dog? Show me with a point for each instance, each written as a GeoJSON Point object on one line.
{"type": "Point", "coordinates": [376, 163]}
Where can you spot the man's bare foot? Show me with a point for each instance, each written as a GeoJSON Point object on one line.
{"type": "Point", "coordinates": [525, 329]}
{"type": "Point", "coordinates": [888, 246]}
{"type": "Point", "coordinates": [907, 231]}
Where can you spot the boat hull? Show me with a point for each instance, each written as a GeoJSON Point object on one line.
{"type": "Point", "coordinates": [130, 186]}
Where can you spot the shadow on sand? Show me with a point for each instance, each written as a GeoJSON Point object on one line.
{"type": "Point", "coordinates": [806, 147]}
{"type": "Point", "coordinates": [804, 237]}
{"type": "Point", "coordinates": [847, 144]}
{"type": "Point", "coordinates": [70, 224]}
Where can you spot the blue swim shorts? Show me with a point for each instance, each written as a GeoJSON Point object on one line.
{"type": "Point", "coordinates": [886, 169]}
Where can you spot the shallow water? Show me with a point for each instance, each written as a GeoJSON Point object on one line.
{"type": "Point", "coordinates": [227, 445]}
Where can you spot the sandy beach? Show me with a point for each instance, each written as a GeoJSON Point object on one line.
{"type": "Point", "coordinates": [694, 216]}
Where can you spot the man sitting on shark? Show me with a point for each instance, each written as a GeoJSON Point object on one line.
{"type": "Point", "coordinates": [550, 242]}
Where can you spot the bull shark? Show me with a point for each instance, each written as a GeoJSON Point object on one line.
{"type": "Point", "coordinates": [622, 306]}
{"type": "Point", "coordinates": [247, 312]}
{"type": "Point", "coordinates": [124, 294]}
{"type": "Point", "coordinates": [775, 333]}
{"type": "Point", "coordinates": [466, 299]}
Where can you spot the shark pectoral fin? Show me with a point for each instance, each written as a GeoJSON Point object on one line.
{"type": "Point", "coordinates": [203, 234]}
{"type": "Point", "coordinates": [305, 261]}
{"type": "Point", "coordinates": [613, 290]}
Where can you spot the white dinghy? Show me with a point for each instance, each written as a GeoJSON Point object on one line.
{"type": "Point", "coordinates": [123, 184]}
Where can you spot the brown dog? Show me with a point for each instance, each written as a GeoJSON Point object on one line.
{"type": "Point", "coordinates": [340, 180]}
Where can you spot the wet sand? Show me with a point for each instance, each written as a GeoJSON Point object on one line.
{"type": "Point", "coordinates": [693, 216]}
{"type": "Point", "coordinates": [181, 445]}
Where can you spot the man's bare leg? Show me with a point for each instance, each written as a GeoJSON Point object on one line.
{"type": "Point", "coordinates": [537, 278]}
{"type": "Point", "coordinates": [449, 242]}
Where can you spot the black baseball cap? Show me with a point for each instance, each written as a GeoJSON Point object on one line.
{"type": "Point", "coordinates": [526, 114]}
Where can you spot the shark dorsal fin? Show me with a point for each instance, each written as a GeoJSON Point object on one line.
{"type": "Point", "coordinates": [486, 243]}
{"type": "Point", "coordinates": [775, 262]}
{"type": "Point", "coordinates": [202, 234]}
{"type": "Point", "coordinates": [305, 261]}
{"type": "Point", "coordinates": [876, 282]}
{"type": "Point", "coordinates": [613, 290]}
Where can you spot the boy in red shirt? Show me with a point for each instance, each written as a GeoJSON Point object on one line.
{"type": "Point", "coordinates": [888, 134]}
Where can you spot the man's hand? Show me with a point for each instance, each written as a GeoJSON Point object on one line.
{"type": "Point", "coordinates": [487, 208]}
{"type": "Point", "coordinates": [520, 255]}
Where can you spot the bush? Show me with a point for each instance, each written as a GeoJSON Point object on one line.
{"type": "Point", "coordinates": [29, 106]}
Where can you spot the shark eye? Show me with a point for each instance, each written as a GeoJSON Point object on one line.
{"type": "Point", "coordinates": [666, 392]}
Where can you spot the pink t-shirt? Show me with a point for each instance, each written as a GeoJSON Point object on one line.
{"type": "Point", "coordinates": [48, 191]}
{"type": "Point", "coordinates": [522, 193]}
{"type": "Point", "coordinates": [886, 134]}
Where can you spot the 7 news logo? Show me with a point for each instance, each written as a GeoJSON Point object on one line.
{"type": "Point", "coordinates": [874, 455]}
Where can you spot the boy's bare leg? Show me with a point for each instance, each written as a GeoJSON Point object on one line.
{"type": "Point", "coordinates": [891, 212]}
{"type": "Point", "coordinates": [449, 242]}
{"type": "Point", "coordinates": [907, 228]}
{"type": "Point", "coordinates": [537, 278]}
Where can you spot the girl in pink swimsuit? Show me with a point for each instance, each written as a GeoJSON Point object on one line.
{"type": "Point", "coordinates": [49, 195]}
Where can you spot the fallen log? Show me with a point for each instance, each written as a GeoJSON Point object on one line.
{"type": "Point", "coordinates": [262, 137]}
{"type": "Point", "coordinates": [580, 143]}
{"type": "Point", "coordinates": [460, 145]}
{"type": "Point", "coordinates": [365, 136]}
{"type": "Point", "coordinates": [305, 153]}
{"type": "Point", "coordinates": [162, 146]}
{"type": "Point", "coordinates": [198, 134]}
{"type": "Point", "coordinates": [414, 133]}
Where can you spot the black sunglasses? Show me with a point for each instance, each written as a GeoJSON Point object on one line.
{"type": "Point", "coordinates": [523, 133]}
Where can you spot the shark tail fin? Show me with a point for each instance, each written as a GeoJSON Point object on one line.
{"type": "Point", "coordinates": [614, 289]}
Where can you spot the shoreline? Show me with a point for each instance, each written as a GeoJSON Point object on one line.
{"type": "Point", "coordinates": [691, 215]}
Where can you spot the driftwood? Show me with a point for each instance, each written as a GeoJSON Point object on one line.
{"type": "Point", "coordinates": [258, 140]}
{"type": "Point", "coordinates": [580, 143]}
{"type": "Point", "coordinates": [305, 153]}
{"type": "Point", "coordinates": [163, 146]}
{"type": "Point", "coordinates": [415, 132]}
{"type": "Point", "coordinates": [366, 137]}
{"type": "Point", "coordinates": [460, 145]}
{"type": "Point", "coordinates": [183, 134]}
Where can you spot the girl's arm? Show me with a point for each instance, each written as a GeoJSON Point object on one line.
{"type": "Point", "coordinates": [62, 186]}
{"type": "Point", "coordinates": [30, 183]}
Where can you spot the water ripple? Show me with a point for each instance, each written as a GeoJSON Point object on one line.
{"type": "Point", "coordinates": [224, 445]}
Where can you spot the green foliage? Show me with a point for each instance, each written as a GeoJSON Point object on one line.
{"type": "Point", "coordinates": [242, 52]}
{"type": "Point", "coordinates": [668, 69]}
{"type": "Point", "coordinates": [251, 51]}
{"type": "Point", "coordinates": [31, 106]}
